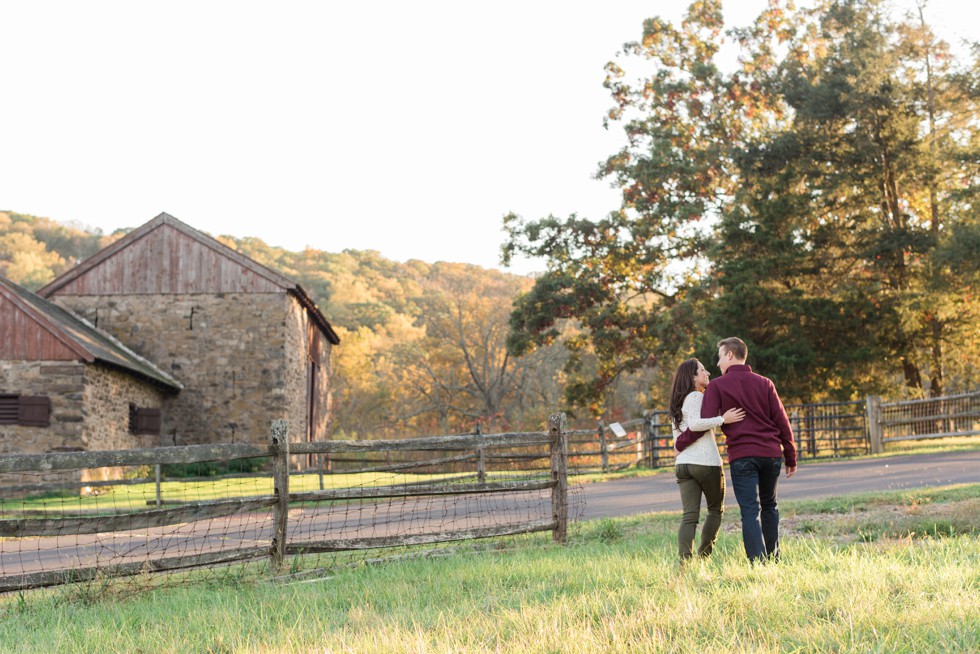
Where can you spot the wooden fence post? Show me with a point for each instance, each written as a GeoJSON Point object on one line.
{"type": "Point", "coordinates": [811, 431]}
{"type": "Point", "coordinates": [481, 460]}
{"type": "Point", "coordinates": [654, 439]}
{"type": "Point", "coordinates": [159, 494]}
{"type": "Point", "coordinates": [280, 482]}
{"type": "Point", "coordinates": [559, 474]}
{"type": "Point", "coordinates": [873, 409]}
{"type": "Point", "coordinates": [604, 453]}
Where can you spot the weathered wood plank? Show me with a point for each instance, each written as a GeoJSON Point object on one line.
{"type": "Point", "coordinates": [404, 466]}
{"type": "Point", "coordinates": [19, 528]}
{"type": "Point", "coordinates": [138, 457]}
{"type": "Point", "coordinates": [919, 437]}
{"type": "Point", "coordinates": [886, 405]}
{"type": "Point", "coordinates": [626, 442]}
{"type": "Point", "coordinates": [419, 489]}
{"type": "Point", "coordinates": [559, 474]}
{"type": "Point", "coordinates": [936, 417]}
{"type": "Point", "coordinates": [280, 476]}
{"type": "Point", "coordinates": [57, 577]}
{"type": "Point", "coordinates": [516, 457]}
{"type": "Point", "coordinates": [603, 446]}
{"type": "Point", "coordinates": [481, 465]}
{"type": "Point", "coordinates": [346, 544]}
{"type": "Point", "coordinates": [461, 442]}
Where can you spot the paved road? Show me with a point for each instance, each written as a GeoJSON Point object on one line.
{"type": "Point", "coordinates": [423, 515]}
{"type": "Point", "coordinates": [812, 480]}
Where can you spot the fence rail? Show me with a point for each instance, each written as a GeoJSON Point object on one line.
{"type": "Point", "coordinates": [48, 541]}
{"type": "Point", "coordinates": [821, 430]}
{"type": "Point", "coordinates": [940, 417]}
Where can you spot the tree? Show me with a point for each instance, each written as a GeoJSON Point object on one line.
{"type": "Point", "coordinates": [840, 212]}
{"type": "Point", "coordinates": [24, 259]}
{"type": "Point", "coordinates": [631, 280]}
{"type": "Point", "coordinates": [801, 200]}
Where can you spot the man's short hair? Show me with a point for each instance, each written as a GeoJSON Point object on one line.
{"type": "Point", "coordinates": [736, 346]}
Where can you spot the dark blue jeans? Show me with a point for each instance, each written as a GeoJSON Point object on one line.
{"type": "Point", "coordinates": [754, 482]}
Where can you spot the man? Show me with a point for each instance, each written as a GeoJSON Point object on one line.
{"type": "Point", "coordinates": [756, 446]}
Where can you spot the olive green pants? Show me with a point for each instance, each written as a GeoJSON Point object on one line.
{"type": "Point", "coordinates": [696, 481]}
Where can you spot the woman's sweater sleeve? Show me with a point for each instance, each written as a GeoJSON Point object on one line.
{"type": "Point", "coordinates": [692, 414]}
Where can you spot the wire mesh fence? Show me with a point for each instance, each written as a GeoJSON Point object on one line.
{"type": "Point", "coordinates": [63, 518]}
{"type": "Point", "coordinates": [62, 521]}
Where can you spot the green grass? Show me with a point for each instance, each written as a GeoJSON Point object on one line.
{"type": "Point", "coordinates": [134, 497]}
{"type": "Point", "coordinates": [617, 587]}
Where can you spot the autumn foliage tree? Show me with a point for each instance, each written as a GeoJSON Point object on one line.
{"type": "Point", "coordinates": [808, 198]}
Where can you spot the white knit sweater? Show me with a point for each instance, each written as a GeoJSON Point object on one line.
{"type": "Point", "coordinates": [703, 451]}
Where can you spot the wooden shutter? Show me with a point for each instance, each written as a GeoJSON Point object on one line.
{"type": "Point", "coordinates": [144, 421]}
{"type": "Point", "coordinates": [9, 409]}
{"type": "Point", "coordinates": [34, 411]}
{"type": "Point", "coordinates": [149, 421]}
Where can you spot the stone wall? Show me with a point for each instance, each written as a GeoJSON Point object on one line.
{"type": "Point", "coordinates": [89, 411]}
{"type": "Point", "coordinates": [108, 394]}
{"type": "Point", "coordinates": [64, 383]}
{"type": "Point", "coordinates": [241, 358]}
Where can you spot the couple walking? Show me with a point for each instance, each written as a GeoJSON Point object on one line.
{"type": "Point", "coordinates": [758, 437]}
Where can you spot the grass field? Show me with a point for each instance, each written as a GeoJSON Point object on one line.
{"type": "Point", "coordinates": [893, 572]}
{"type": "Point", "coordinates": [134, 497]}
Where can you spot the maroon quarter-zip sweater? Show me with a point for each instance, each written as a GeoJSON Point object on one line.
{"type": "Point", "coordinates": [765, 431]}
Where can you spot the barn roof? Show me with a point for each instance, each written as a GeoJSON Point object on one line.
{"type": "Point", "coordinates": [88, 342]}
{"type": "Point", "coordinates": [165, 220]}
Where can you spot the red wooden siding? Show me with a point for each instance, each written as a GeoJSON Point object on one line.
{"type": "Point", "coordinates": [167, 261]}
{"type": "Point", "coordinates": [22, 338]}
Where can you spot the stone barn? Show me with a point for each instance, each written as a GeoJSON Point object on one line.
{"type": "Point", "coordinates": [247, 344]}
{"type": "Point", "coordinates": [65, 385]}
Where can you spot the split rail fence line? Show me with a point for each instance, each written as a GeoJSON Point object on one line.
{"type": "Point", "coordinates": [821, 430]}
{"type": "Point", "coordinates": [327, 520]}
{"type": "Point", "coordinates": [470, 465]}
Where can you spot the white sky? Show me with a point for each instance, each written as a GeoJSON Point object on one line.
{"type": "Point", "coordinates": [409, 128]}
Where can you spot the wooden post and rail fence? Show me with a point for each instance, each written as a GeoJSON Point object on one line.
{"type": "Point", "coordinates": [821, 430]}
{"type": "Point", "coordinates": [476, 462]}
{"type": "Point", "coordinates": [283, 543]}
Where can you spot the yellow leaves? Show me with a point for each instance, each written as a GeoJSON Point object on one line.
{"type": "Point", "coordinates": [27, 261]}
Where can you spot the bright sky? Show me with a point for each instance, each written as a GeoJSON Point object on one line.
{"type": "Point", "coordinates": [409, 128]}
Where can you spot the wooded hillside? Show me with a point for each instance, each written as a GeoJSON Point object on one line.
{"type": "Point", "coordinates": [423, 346]}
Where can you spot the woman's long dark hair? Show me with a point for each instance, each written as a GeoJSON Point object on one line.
{"type": "Point", "coordinates": [683, 385]}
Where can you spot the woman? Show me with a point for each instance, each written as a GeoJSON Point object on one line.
{"type": "Point", "coordinates": [698, 467]}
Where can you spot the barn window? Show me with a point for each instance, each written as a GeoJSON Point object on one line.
{"type": "Point", "coordinates": [143, 420]}
{"type": "Point", "coordinates": [27, 410]}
